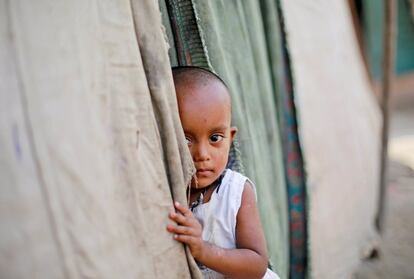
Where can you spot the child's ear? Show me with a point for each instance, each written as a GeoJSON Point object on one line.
{"type": "Point", "coordinates": [233, 132]}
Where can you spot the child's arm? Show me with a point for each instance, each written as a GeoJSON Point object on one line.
{"type": "Point", "coordinates": [249, 260]}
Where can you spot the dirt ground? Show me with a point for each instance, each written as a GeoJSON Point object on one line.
{"type": "Point", "coordinates": [396, 246]}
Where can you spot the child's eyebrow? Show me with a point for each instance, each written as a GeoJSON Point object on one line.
{"type": "Point", "coordinates": [219, 128]}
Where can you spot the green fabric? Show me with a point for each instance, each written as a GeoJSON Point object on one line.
{"type": "Point", "coordinates": [274, 42]}
{"type": "Point", "coordinates": [188, 45]}
{"type": "Point", "coordinates": [293, 160]}
{"type": "Point", "coordinates": [168, 33]}
{"type": "Point", "coordinates": [373, 20]}
{"type": "Point", "coordinates": [235, 47]}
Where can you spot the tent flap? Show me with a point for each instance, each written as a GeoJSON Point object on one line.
{"type": "Point", "coordinates": [92, 148]}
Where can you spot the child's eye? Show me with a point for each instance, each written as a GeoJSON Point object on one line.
{"type": "Point", "coordinates": [188, 141]}
{"type": "Point", "coordinates": [216, 138]}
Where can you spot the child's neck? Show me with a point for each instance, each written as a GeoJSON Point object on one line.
{"type": "Point", "coordinates": [205, 191]}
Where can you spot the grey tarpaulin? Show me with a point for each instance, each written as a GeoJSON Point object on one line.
{"type": "Point", "coordinates": [339, 124]}
{"type": "Point", "coordinates": [91, 148]}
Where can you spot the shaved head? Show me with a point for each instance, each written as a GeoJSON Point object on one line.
{"type": "Point", "coordinates": [191, 74]}
{"type": "Point", "coordinates": [200, 84]}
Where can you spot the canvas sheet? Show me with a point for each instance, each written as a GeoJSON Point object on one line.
{"type": "Point", "coordinates": [339, 124]}
{"type": "Point", "coordinates": [91, 149]}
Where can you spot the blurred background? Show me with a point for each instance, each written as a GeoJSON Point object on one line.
{"type": "Point", "coordinates": [396, 247]}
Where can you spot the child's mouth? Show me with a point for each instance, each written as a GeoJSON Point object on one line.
{"type": "Point", "coordinates": [203, 172]}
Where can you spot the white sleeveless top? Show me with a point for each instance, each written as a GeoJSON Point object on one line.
{"type": "Point", "coordinates": [218, 217]}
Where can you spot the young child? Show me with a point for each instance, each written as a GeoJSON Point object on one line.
{"type": "Point", "coordinates": [222, 227]}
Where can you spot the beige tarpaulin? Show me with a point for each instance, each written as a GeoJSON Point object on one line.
{"type": "Point", "coordinates": [91, 149]}
{"type": "Point", "coordinates": [339, 124]}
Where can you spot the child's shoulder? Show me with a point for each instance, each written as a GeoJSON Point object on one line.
{"type": "Point", "coordinates": [235, 173]}
{"type": "Point", "coordinates": [238, 181]}
{"type": "Point", "coordinates": [237, 176]}
{"type": "Point", "coordinates": [234, 177]}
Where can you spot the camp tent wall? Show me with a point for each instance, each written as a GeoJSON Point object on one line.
{"type": "Point", "coordinates": [339, 125]}
{"type": "Point", "coordinates": [91, 148]}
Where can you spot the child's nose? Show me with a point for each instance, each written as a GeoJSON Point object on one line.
{"type": "Point", "coordinates": [201, 153]}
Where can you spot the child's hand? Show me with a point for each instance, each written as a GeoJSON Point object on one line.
{"type": "Point", "coordinates": [188, 230]}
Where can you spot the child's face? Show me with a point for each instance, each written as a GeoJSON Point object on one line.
{"type": "Point", "coordinates": [206, 116]}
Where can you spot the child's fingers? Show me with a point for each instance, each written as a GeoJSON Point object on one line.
{"type": "Point", "coordinates": [181, 230]}
{"type": "Point", "coordinates": [179, 218]}
{"type": "Point", "coordinates": [188, 239]}
{"type": "Point", "coordinates": [183, 209]}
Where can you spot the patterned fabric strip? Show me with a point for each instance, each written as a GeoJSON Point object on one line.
{"type": "Point", "coordinates": [187, 39]}
{"type": "Point", "coordinates": [295, 176]}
